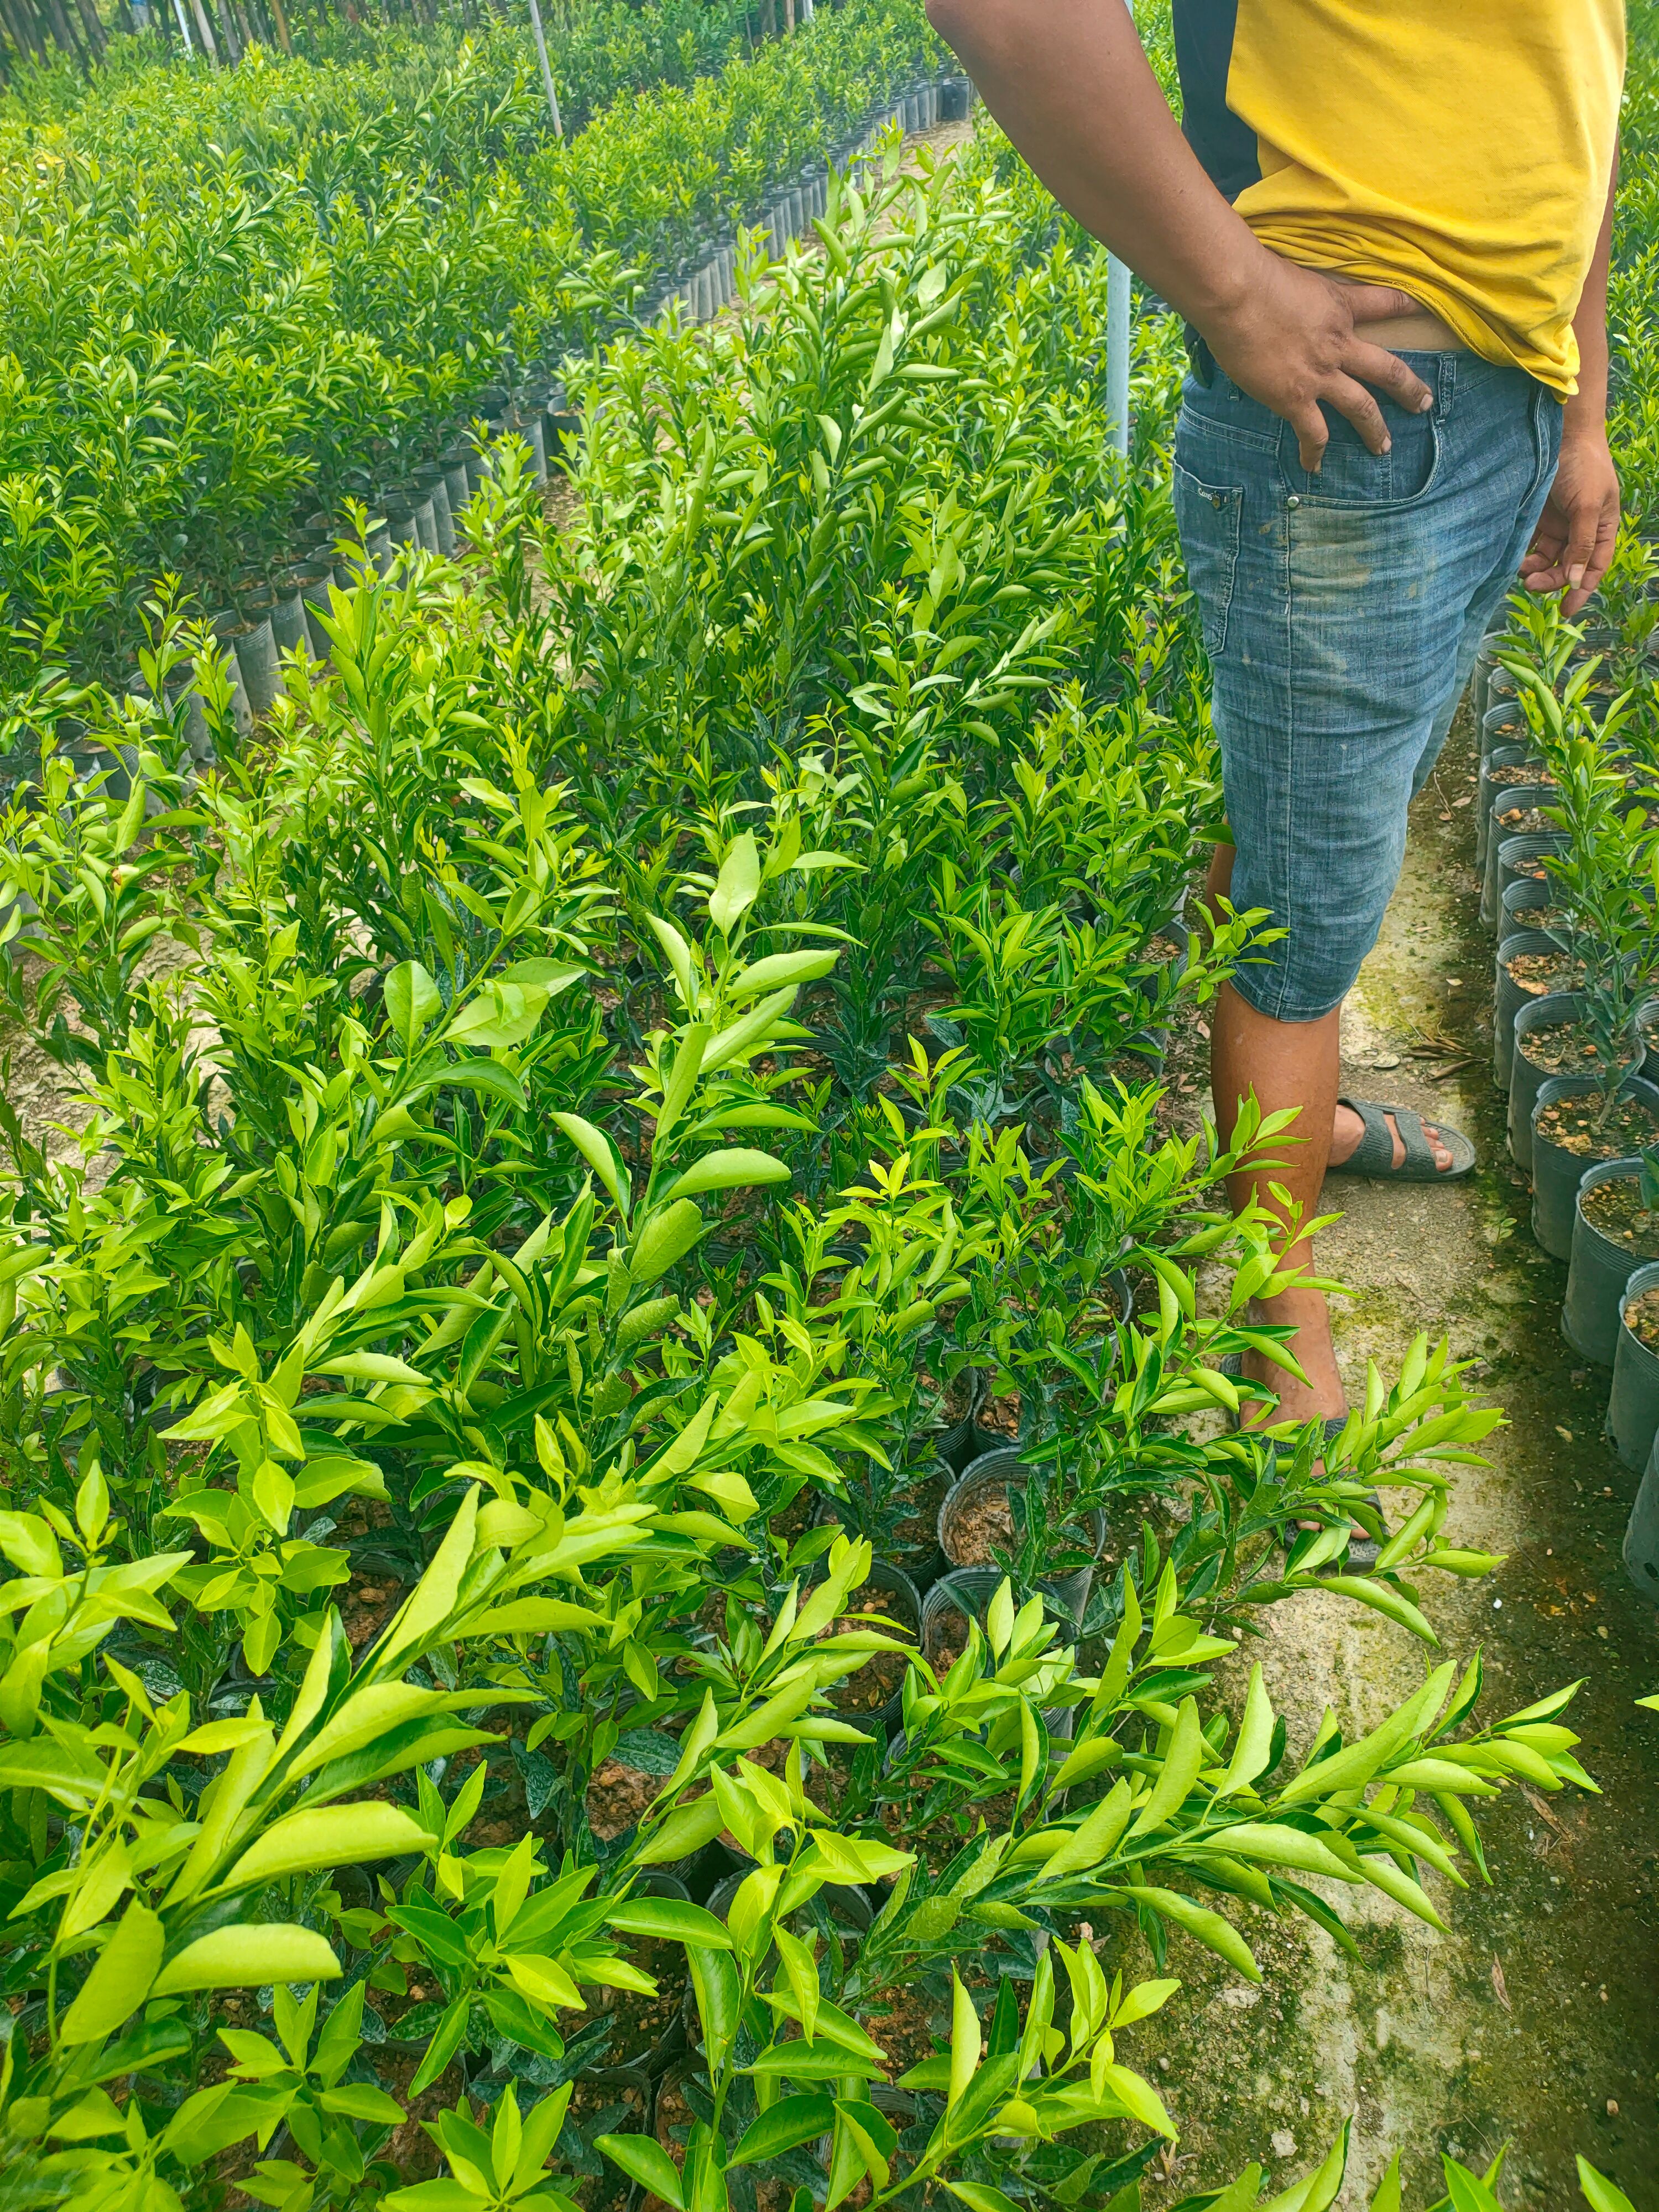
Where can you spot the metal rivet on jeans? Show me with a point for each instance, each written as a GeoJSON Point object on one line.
{"type": "Point", "coordinates": [1292, 501]}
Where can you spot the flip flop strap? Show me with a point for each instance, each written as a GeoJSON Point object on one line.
{"type": "Point", "coordinates": [1418, 1156]}
{"type": "Point", "coordinates": [1374, 1154]}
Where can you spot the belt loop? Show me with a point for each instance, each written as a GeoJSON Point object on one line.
{"type": "Point", "coordinates": [1446, 379]}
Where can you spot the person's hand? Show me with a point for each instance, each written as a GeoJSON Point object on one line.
{"type": "Point", "coordinates": [1294, 340]}
{"type": "Point", "coordinates": [1573, 540]}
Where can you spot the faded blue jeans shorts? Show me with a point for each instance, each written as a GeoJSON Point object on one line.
{"type": "Point", "coordinates": [1342, 612]}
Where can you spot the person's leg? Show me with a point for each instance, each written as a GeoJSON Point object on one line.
{"type": "Point", "coordinates": [1334, 610]}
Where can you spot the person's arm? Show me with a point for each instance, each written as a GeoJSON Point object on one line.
{"type": "Point", "coordinates": [1575, 533]}
{"type": "Point", "coordinates": [1073, 90]}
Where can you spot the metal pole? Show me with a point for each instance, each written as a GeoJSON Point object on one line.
{"type": "Point", "coordinates": [1118, 282]}
{"type": "Point", "coordinates": [547, 71]}
{"type": "Point", "coordinates": [1117, 351]}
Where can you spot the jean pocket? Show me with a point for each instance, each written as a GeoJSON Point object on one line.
{"type": "Point", "coordinates": [1208, 517]}
{"type": "Point", "coordinates": [1352, 475]}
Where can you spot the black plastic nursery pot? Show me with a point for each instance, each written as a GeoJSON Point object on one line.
{"type": "Point", "coordinates": [1519, 858]}
{"type": "Point", "coordinates": [457, 482]}
{"type": "Point", "coordinates": [1510, 996]}
{"type": "Point", "coordinates": [1506, 821]}
{"type": "Point", "coordinates": [1633, 1401]}
{"type": "Point", "coordinates": [1600, 1268]}
{"type": "Point", "coordinates": [256, 657]}
{"type": "Point", "coordinates": [432, 483]}
{"type": "Point", "coordinates": [1557, 1171]}
{"type": "Point", "coordinates": [1003, 1469]}
{"type": "Point", "coordinates": [1645, 1022]}
{"type": "Point", "coordinates": [1501, 725]}
{"type": "Point", "coordinates": [1504, 767]}
{"type": "Point", "coordinates": [956, 99]}
{"type": "Point", "coordinates": [1641, 1545]}
{"type": "Point", "coordinates": [1526, 1080]}
{"type": "Point", "coordinates": [1525, 899]}
{"type": "Point", "coordinates": [906, 1615]}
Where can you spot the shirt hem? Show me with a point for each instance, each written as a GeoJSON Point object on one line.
{"type": "Point", "coordinates": [1558, 373]}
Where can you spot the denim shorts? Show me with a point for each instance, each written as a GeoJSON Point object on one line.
{"type": "Point", "coordinates": [1342, 612]}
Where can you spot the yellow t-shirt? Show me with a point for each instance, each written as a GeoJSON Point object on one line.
{"type": "Point", "coordinates": [1461, 150]}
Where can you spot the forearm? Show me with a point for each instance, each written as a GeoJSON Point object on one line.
{"type": "Point", "coordinates": [1073, 89]}
{"type": "Point", "coordinates": [1586, 412]}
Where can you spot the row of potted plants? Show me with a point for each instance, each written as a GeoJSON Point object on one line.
{"type": "Point", "coordinates": [209, 341]}
{"type": "Point", "coordinates": [1569, 851]}
{"type": "Point", "coordinates": [623, 1580]}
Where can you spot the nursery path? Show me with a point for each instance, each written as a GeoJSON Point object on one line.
{"type": "Point", "coordinates": [1536, 2021]}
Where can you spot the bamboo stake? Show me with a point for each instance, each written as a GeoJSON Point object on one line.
{"type": "Point", "coordinates": [547, 69]}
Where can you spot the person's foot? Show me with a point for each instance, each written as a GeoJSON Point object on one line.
{"type": "Point", "coordinates": [1347, 1130]}
{"type": "Point", "coordinates": [1321, 1397]}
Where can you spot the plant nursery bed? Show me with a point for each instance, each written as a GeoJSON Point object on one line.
{"type": "Point", "coordinates": [1564, 1048]}
{"type": "Point", "coordinates": [1536, 973]}
{"type": "Point", "coordinates": [1582, 1127]}
{"type": "Point", "coordinates": [1615, 1208]}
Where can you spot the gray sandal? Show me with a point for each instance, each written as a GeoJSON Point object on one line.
{"type": "Point", "coordinates": [1373, 1155]}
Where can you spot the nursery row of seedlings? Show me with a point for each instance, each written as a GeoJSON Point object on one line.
{"type": "Point", "coordinates": [1567, 843]}
{"type": "Point", "coordinates": [211, 339]}
{"type": "Point", "coordinates": [278, 609]}
{"type": "Point", "coordinates": [474, 1511]}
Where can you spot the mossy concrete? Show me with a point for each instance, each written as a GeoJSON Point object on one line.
{"type": "Point", "coordinates": [1535, 2020]}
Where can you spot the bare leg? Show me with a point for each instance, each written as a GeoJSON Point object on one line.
{"type": "Point", "coordinates": [1285, 1064]}
{"type": "Point", "coordinates": [1288, 1064]}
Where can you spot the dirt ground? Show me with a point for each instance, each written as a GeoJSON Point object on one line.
{"type": "Point", "coordinates": [1535, 2022]}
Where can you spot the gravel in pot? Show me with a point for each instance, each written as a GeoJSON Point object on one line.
{"type": "Point", "coordinates": [1529, 904]}
{"type": "Point", "coordinates": [1612, 1236]}
{"type": "Point", "coordinates": [1633, 1402]}
{"type": "Point", "coordinates": [1572, 1130]}
{"type": "Point", "coordinates": [1551, 1039]}
{"type": "Point", "coordinates": [1516, 811]}
{"type": "Point", "coordinates": [1519, 858]}
{"type": "Point", "coordinates": [1528, 965]}
{"type": "Point", "coordinates": [1504, 767]}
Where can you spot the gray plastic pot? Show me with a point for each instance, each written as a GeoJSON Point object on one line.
{"type": "Point", "coordinates": [1633, 1402]}
{"type": "Point", "coordinates": [256, 656]}
{"type": "Point", "coordinates": [1556, 1173]}
{"type": "Point", "coordinates": [317, 591]}
{"type": "Point", "coordinates": [1641, 1547]}
{"type": "Point", "coordinates": [288, 613]}
{"type": "Point", "coordinates": [1526, 1081]}
{"type": "Point", "coordinates": [1502, 725]}
{"type": "Point", "coordinates": [1599, 1272]}
{"type": "Point", "coordinates": [1005, 1469]}
{"type": "Point", "coordinates": [458, 484]}
{"type": "Point", "coordinates": [1510, 800]}
{"type": "Point", "coordinates": [1524, 897]}
{"type": "Point", "coordinates": [435, 485]}
{"type": "Point", "coordinates": [1646, 1017]}
{"type": "Point", "coordinates": [1498, 778]}
{"type": "Point", "coordinates": [1515, 857]}
{"type": "Point", "coordinates": [229, 630]}
{"type": "Point", "coordinates": [1508, 997]}
{"type": "Point", "coordinates": [1485, 661]}
{"type": "Point", "coordinates": [425, 522]}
